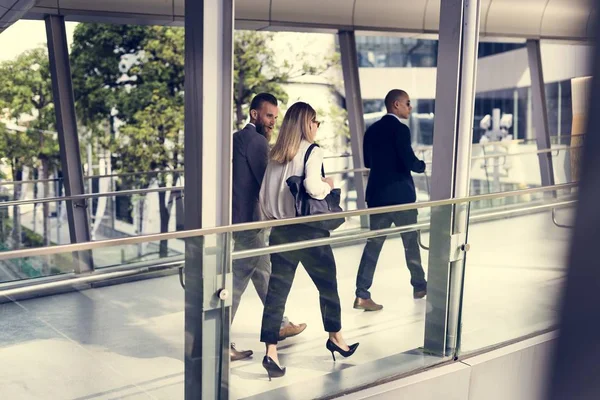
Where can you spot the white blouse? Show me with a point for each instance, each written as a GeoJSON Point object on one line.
{"type": "Point", "coordinates": [276, 200]}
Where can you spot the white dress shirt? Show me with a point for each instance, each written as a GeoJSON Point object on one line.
{"type": "Point", "coordinates": [276, 200]}
{"type": "Point", "coordinates": [397, 117]}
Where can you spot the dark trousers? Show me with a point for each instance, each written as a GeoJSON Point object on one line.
{"type": "Point", "coordinates": [320, 266]}
{"type": "Point", "coordinates": [370, 255]}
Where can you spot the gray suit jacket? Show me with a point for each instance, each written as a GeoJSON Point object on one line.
{"type": "Point", "coordinates": [250, 159]}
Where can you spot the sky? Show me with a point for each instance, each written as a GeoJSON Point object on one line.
{"type": "Point", "coordinates": [26, 34]}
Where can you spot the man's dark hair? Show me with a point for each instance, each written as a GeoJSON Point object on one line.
{"type": "Point", "coordinates": [392, 96]}
{"type": "Point", "coordinates": [261, 98]}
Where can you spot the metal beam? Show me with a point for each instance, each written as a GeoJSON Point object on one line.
{"type": "Point", "coordinates": [454, 106]}
{"type": "Point", "coordinates": [540, 111]}
{"type": "Point", "coordinates": [354, 106]}
{"type": "Point", "coordinates": [208, 131]}
{"type": "Point", "coordinates": [68, 140]}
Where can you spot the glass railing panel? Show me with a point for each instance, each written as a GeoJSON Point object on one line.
{"type": "Point", "coordinates": [515, 165]}
{"type": "Point", "coordinates": [515, 268]}
{"type": "Point", "coordinates": [117, 334]}
{"type": "Point", "coordinates": [30, 268]}
{"type": "Point", "coordinates": [28, 226]}
{"type": "Point", "coordinates": [130, 215]}
{"type": "Point", "coordinates": [391, 339]}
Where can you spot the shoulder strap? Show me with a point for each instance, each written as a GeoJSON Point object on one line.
{"type": "Point", "coordinates": [308, 151]}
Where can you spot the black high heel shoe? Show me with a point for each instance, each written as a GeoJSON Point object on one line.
{"type": "Point", "coordinates": [332, 347]}
{"type": "Point", "coordinates": [273, 370]}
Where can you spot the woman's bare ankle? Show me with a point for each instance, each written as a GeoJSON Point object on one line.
{"type": "Point", "coordinates": [272, 352]}
{"type": "Point", "coordinates": [338, 339]}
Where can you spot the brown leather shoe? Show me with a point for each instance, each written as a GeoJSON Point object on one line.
{"type": "Point", "coordinates": [291, 329]}
{"type": "Point", "coordinates": [238, 355]}
{"type": "Point", "coordinates": [366, 304]}
{"type": "Point", "coordinates": [419, 294]}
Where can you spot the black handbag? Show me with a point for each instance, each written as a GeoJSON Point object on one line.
{"type": "Point", "coordinates": [307, 205]}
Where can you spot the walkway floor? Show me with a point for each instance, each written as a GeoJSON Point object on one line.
{"type": "Point", "coordinates": [126, 341]}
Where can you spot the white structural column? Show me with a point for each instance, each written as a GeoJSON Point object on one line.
{"type": "Point", "coordinates": [453, 132]}
{"type": "Point", "coordinates": [540, 111]}
{"type": "Point", "coordinates": [68, 140]}
{"type": "Point", "coordinates": [354, 106]}
{"type": "Point", "coordinates": [208, 131]}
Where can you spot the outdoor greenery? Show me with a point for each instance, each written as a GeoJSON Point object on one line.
{"type": "Point", "coordinates": [128, 83]}
{"type": "Point", "coordinates": [26, 99]}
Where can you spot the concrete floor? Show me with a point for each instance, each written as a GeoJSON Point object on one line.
{"type": "Point", "coordinates": [126, 341]}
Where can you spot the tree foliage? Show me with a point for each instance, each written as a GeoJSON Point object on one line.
{"type": "Point", "coordinates": [129, 85]}
{"type": "Point", "coordinates": [26, 99]}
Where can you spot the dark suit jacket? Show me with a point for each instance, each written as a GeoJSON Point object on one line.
{"type": "Point", "coordinates": [250, 158]}
{"type": "Point", "coordinates": [388, 153]}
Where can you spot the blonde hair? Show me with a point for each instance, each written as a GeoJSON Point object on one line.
{"type": "Point", "coordinates": [295, 127]}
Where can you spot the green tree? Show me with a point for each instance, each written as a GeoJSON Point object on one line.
{"type": "Point", "coordinates": [135, 75]}
{"type": "Point", "coordinates": [255, 70]}
{"type": "Point", "coordinates": [26, 98]}
{"type": "Point", "coordinates": [17, 150]}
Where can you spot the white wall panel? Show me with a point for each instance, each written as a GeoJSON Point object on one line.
{"type": "Point", "coordinates": [450, 382]}
{"type": "Point", "coordinates": [312, 11]}
{"type": "Point", "coordinates": [516, 372]}
{"type": "Point", "coordinates": [394, 15]}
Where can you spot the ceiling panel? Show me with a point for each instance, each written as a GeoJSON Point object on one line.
{"type": "Point", "coordinates": [590, 24]}
{"type": "Point", "coordinates": [515, 17]}
{"type": "Point", "coordinates": [337, 12]}
{"type": "Point", "coordinates": [432, 15]}
{"type": "Point", "coordinates": [566, 18]}
{"type": "Point", "coordinates": [23, 5]}
{"type": "Point", "coordinates": [9, 15]}
{"type": "Point", "coordinates": [153, 7]}
{"type": "Point", "coordinates": [253, 9]}
{"type": "Point", "coordinates": [179, 7]}
{"type": "Point", "coordinates": [46, 3]}
{"type": "Point", "coordinates": [394, 15]}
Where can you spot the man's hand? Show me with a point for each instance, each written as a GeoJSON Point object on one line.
{"type": "Point", "coordinates": [329, 181]}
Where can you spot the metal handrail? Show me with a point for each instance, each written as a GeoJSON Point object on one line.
{"type": "Point", "coordinates": [524, 153]}
{"type": "Point", "coordinates": [236, 255]}
{"type": "Point", "coordinates": [171, 171]}
{"type": "Point", "coordinates": [56, 282]}
{"type": "Point", "coordinates": [9, 183]}
{"type": "Point", "coordinates": [167, 171]}
{"type": "Point", "coordinates": [90, 196]}
{"type": "Point", "coordinates": [420, 242]}
{"type": "Point", "coordinates": [7, 255]}
{"type": "Point", "coordinates": [6, 183]}
{"type": "Point", "coordinates": [556, 222]}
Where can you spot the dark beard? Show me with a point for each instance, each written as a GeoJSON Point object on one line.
{"type": "Point", "coordinates": [261, 129]}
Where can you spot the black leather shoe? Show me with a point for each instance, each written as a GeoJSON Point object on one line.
{"type": "Point", "coordinates": [273, 370]}
{"type": "Point", "coordinates": [332, 347]}
{"type": "Point", "coordinates": [236, 355]}
{"type": "Point", "coordinates": [419, 294]}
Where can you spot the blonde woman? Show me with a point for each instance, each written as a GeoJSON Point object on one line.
{"type": "Point", "coordinates": [296, 135]}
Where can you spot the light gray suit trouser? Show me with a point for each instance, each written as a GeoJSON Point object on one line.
{"type": "Point", "coordinates": [257, 269]}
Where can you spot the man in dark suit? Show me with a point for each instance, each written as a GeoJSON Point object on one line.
{"type": "Point", "coordinates": [250, 159]}
{"type": "Point", "coordinates": [388, 153]}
